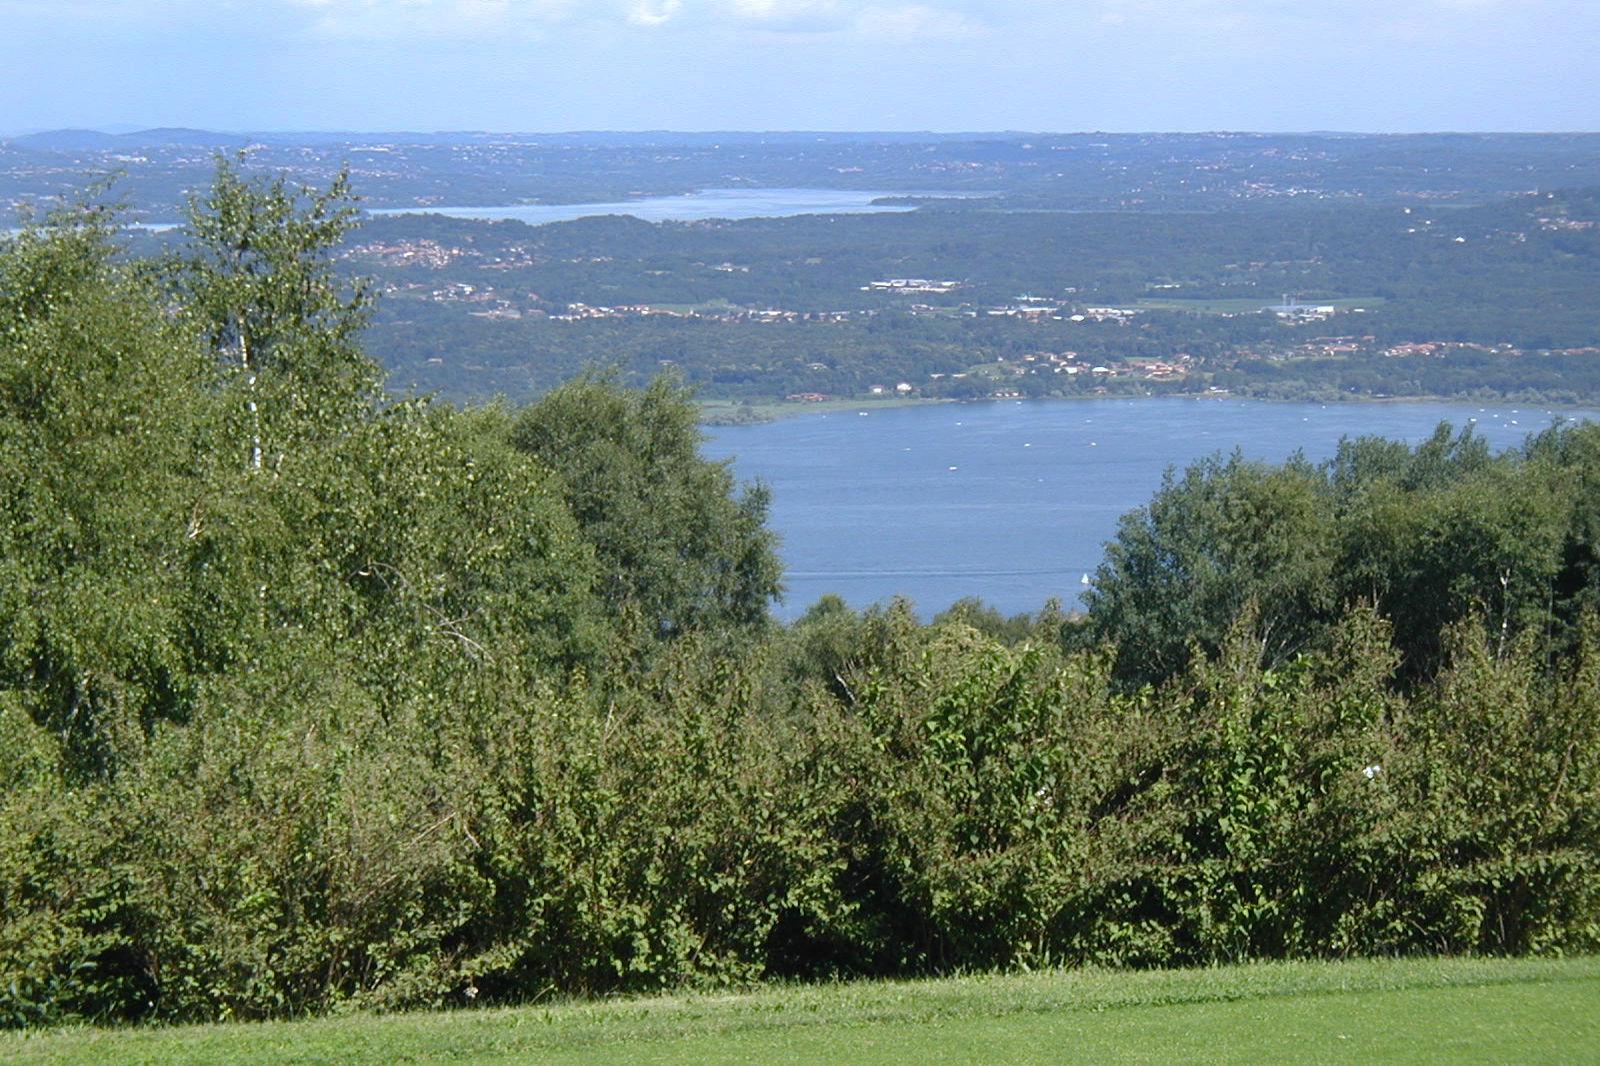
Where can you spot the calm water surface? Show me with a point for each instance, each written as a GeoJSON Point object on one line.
{"type": "Point", "coordinates": [1015, 501]}
{"type": "Point", "coordinates": [707, 203]}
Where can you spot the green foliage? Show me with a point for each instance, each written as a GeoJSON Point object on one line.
{"type": "Point", "coordinates": [1516, 280]}
{"type": "Point", "coordinates": [257, 275]}
{"type": "Point", "coordinates": [301, 682]}
{"type": "Point", "coordinates": [677, 551]}
{"type": "Point", "coordinates": [1270, 800]}
{"type": "Point", "coordinates": [1503, 780]}
{"type": "Point", "coordinates": [1182, 568]}
{"type": "Point", "coordinates": [104, 412]}
{"type": "Point", "coordinates": [989, 783]}
{"type": "Point", "coordinates": [61, 892]}
{"type": "Point", "coordinates": [657, 838]}
{"type": "Point", "coordinates": [256, 278]}
{"type": "Point", "coordinates": [434, 707]}
{"type": "Point", "coordinates": [1428, 535]}
{"type": "Point", "coordinates": [972, 611]}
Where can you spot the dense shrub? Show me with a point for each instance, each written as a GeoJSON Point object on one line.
{"type": "Point", "coordinates": [381, 704]}
{"type": "Point", "coordinates": [985, 796]}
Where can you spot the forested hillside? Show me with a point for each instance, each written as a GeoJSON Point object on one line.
{"type": "Point", "coordinates": [314, 698]}
{"type": "Point", "coordinates": [1490, 300]}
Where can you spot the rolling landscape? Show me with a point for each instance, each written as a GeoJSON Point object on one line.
{"type": "Point", "coordinates": [1309, 267]}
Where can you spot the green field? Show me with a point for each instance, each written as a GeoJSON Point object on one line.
{"type": "Point", "coordinates": [1380, 1011]}
{"type": "Point", "coordinates": [1251, 304]}
{"type": "Point", "coordinates": [718, 306]}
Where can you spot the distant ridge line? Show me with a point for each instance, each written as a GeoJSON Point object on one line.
{"type": "Point", "coordinates": [87, 139]}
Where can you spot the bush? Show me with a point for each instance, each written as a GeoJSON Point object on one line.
{"type": "Point", "coordinates": [331, 709]}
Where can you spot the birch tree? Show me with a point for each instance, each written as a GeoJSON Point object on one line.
{"type": "Point", "coordinates": [257, 276]}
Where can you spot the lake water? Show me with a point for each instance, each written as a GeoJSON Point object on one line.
{"type": "Point", "coordinates": [689, 207]}
{"type": "Point", "coordinates": [707, 203]}
{"type": "Point", "coordinates": [1014, 502]}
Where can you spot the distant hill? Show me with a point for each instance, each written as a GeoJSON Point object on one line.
{"type": "Point", "coordinates": [78, 140]}
{"type": "Point", "coordinates": [95, 140]}
{"type": "Point", "coordinates": [66, 140]}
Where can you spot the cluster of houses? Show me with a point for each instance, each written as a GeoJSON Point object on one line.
{"type": "Point", "coordinates": [1443, 348]}
{"type": "Point", "coordinates": [1342, 347]}
{"type": "Point", "coordinates": [1067, 363]}
{"type": "Point", "coordinates": [461, 292]}
{"type": "Point", "coordinates": [909, 285]}
{"type": "Point", "coordinates": [1295, 311]}
{"type": "Point", "coordinates": [1174, 369]}
{"type": "Point", "coordinates": [1568, 224]}
{"type": "Point", "coordinates": [420, 252]}
{"type": "Point", "coordinates": [1105, 314]}
{"type": "Point", "coordinates": [1337, 347]}
{"type": "Point", "coordinates": [425, 252]}
{"type": "Point", "coordinates": [577, 311]}
{"type": "Point", "coordinates": [1030, 309]}
{"type": "Point", "coordinates": [1072, 365]}
{"type": "Point", "coordinates": [904, 388]}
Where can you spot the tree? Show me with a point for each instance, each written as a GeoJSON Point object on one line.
{"type": "Point", "coordinates": [257, 278]}
{"type": "Point", "coordinates": [677, 550]}
{"type": "Point", "coordinates": [1227, 533]}
{"type": "Point", "coordinates": [1427, 535]}
{"type": "Point", "coordinates": [105, 408]}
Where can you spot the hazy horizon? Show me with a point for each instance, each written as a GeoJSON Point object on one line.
{"type": "Point", "coordinates": [127, 129]}
{"type": "Point", "coordinates": [1137, 66]}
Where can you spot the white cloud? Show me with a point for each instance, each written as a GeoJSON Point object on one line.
{"type": "Point", "coordinates": [492, 20]}
{"type": "Point", "coordinates": [802, 15]}
{"type": "Point", "coordinates": [782, 10]}
{"type": "Point", "coordinates": [874, 18]}
{"type": "Point", "coordinates": [917, 20]}
{"type": "Point", "coordinates": [468, 18]}
{"type": "Point", "coordinates": [654, 12]}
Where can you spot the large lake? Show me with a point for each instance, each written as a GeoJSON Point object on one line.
{"type": "Point", "coordinates": [1013, 502]}
{"type": "Point", "coordinates": [704, 204]}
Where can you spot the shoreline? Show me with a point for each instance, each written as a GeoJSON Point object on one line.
{"type": "Point", "coordinates": [758, 412]}
{"type": "Point", "coordinates": [723, 413]}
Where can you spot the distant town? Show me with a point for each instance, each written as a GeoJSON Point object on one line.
{"type": "Point", "coordinates": [1004, 377]}
{"type": "Point", "coordinates": [1006, 264]}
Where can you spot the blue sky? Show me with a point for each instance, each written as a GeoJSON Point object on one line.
{"type": "Point", "coordinates": [535, 65]}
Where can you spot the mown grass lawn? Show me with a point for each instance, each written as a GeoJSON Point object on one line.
{"type": "Point", "coordinates": [1356, 1012]}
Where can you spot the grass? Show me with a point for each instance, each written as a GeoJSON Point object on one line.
{"type": "Point", "coordinates": [1523, 1011]}
{"type": "Point", "coordinates": [717, 306]}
